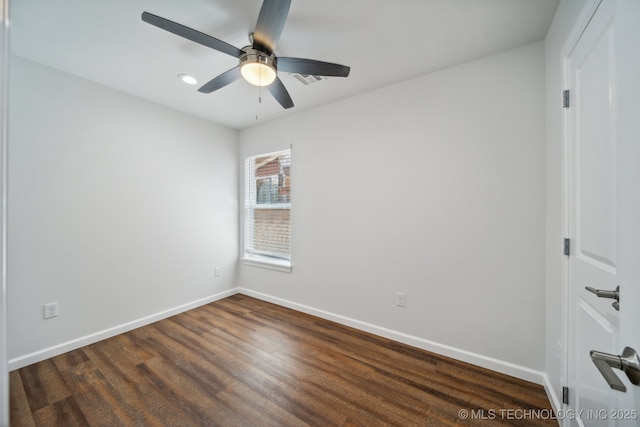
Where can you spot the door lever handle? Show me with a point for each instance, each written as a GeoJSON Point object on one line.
{"type": "Point", "coordinates": [615, 294]}
{"type": "Point", "coordinates": [629, 362]}
{"type": "Point", "coordinates": [604, 362]}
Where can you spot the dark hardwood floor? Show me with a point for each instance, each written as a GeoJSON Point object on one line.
{"type": "Point", "coordinates": [244, 362]}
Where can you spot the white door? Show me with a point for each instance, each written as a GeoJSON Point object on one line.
{"type": "Point", "coordinates": [628, 164]}
{"type": "Point", "coordinates": [600, 188]}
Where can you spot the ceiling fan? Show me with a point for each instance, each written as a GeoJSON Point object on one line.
{"type": "Point", "coordinates": [258, 64]}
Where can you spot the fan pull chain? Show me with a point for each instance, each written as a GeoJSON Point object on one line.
{"type": "Point", "coordinates": [259, 103]}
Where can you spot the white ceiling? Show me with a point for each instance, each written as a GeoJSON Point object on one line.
{"type": "Point", "coordinates": [384, 42]}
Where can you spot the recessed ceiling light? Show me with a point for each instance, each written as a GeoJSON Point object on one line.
{"type": "Point", "coordinates": [186, 78]}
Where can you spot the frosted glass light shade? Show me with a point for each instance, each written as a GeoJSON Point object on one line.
{"type": "Point", "coordinates": [258, 73]}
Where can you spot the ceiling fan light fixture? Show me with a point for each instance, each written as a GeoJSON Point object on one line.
{"type": "Point", "coordinates": [257, 68]}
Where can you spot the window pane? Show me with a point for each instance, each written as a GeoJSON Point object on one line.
{"type": "Point", "coordinates": [271, 232]}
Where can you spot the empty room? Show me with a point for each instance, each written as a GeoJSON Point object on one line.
{"type": "Point", "coordinates": [290, 213]}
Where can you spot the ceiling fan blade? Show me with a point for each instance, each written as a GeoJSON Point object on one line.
{"type": "Point", "coordinates": [191, 34]}
{"type": "Point", "coordinates": [280, 93]}
{"type": "Point", "coordinates": [221, 81]}
{"type": "Point", "coordinates": [312, 67]}
{"type": "Point", "coordinates": [271, 20]}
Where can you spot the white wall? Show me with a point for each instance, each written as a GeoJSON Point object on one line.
{"type": "Point", "coordinates": [433, 187]}
{"type": "Point", "coordinates": [565, 19]}
{"type": "Point", "coordinates": [119, 209]}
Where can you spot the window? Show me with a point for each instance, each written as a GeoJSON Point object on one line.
{"type": "Point", "coordinates": [267, 207]}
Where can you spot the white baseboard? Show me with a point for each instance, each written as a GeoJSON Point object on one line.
{"type": "Point", "coordinates": [497, 365]}
{"type": "Point", "coordinates": [556, 403]}
{"type": "Point", "coordinates": [37, 356]}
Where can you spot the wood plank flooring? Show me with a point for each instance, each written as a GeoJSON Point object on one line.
{"type": "Point", "coordinates": [244, 362]}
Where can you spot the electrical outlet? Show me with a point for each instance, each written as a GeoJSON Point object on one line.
{"type": "Point", "coordinates": [217, 271]}
{"type": "Point", "coordinates": [50, 310]}
{"type": "Point", "coordinates": [401, 299]}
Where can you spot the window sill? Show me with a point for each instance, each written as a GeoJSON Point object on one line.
{"type": "Point", "coordinates": [284, 266]}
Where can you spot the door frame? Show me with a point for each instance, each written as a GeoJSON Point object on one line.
{"type": "Point", "coordinates": [583, 20]}
{"type": "Point", "coordinates": [4, 103]}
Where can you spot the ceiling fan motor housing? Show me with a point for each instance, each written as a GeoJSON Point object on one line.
{"type": "Point", "coordinates": [257, 67]}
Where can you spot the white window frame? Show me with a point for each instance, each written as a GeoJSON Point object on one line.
{"type": "Point", "coordinates": [252, 257]}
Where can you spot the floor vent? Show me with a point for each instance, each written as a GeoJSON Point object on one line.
{"type": "Point", "coordinates": [307, 79]}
